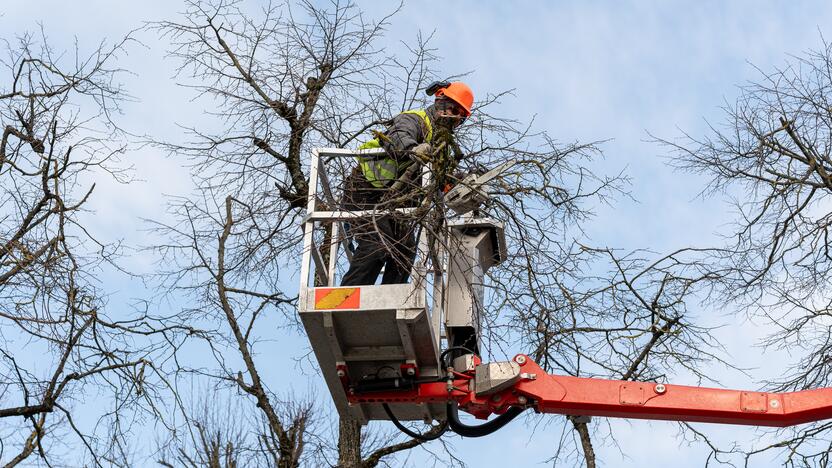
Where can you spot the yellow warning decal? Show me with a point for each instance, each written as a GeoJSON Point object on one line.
{"type": "Point", "coordinates": [337, 298]}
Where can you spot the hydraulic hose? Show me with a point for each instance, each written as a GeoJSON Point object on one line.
{"type": "Point", "coordinates": [415, 435]}
{"type": "Point", "coordinates": [482, 429]}
{"type": "Point", "coordinates": [453, 423]}
{"type": "Point", "coordinates": [450, 350]}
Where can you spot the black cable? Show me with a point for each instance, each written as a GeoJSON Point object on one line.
{"type": "Point", "coordinates": [453, 422]}
{"type": "Point", "coordinates": [415, 435]}
{"type": "Point", "coordinates": [483, 429]}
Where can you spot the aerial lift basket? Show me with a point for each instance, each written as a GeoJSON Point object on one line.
{"type": "Point", "coordinates": [378, 338]}
{"type": "Point", "coordinates": [369, 333]}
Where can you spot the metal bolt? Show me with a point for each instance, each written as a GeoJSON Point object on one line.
{"type": "Point", "coordinates": [522, 400]}
{"type": "Point", "coordinates": [660, 388]}
{"type": "Point", "coordinates": [774, 403]}
{"type": "Point", "coordinates": [520, 359]}
{"type": "Point", "coordinates": [411, 371]}
{"type": "Point", "coordinates": [340, 373]}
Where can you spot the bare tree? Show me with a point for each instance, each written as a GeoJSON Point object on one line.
{"type": "Point", "coordinates": [292, 77]}
{"type": "Point", "coordinates": [582, 310]}
{"type": "Point", "coordinates": [280, 81]}
{"type": "Point", "coordinates": [629, 320]}
{"type": "Point", "coordinates": [771, 155]}
{"type": "Point", "coordinates": [61, 349]}
{"type": "Point", "coordinates": [221, 435]}
{"type": "Point", "coordinates": [577, 309]}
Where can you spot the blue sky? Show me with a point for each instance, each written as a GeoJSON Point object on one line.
{"type": "Point", "coordinates": [590, 70]}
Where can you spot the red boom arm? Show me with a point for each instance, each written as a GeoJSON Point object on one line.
{"type": "Point", "coordinates": [617, 398]}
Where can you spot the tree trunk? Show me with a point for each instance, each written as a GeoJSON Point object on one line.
{"type": "Point", "coordinates": [349, 444]}
{"type": "Point", "coordinates": [586, 443]}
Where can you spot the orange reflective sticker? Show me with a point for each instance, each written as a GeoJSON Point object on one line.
{"type": "Point", "coordinates": [337, 298]}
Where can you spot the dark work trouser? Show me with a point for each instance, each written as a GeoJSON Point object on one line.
{"type": "Point", "coordinates": [382, 242]}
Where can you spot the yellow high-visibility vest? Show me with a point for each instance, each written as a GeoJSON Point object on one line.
{"type": "Point", "coordinates": [380, 172]}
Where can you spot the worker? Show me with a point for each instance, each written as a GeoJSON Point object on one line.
{"type": "Point", "coordinates": [388, 241]}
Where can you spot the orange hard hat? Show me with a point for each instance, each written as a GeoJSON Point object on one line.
{"type": "Point", "coordinates": [460, 93]}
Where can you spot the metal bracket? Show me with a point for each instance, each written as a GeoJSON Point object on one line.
{"type": "Point", "coordinates": [464, 363]}
{"type": "Point", "coordinates": [495, 376]}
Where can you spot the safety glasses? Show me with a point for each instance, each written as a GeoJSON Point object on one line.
{"type": "Point", "coordinates": [450, 109]}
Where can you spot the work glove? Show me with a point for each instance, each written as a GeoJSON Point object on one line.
{"type": "Point", "coordinates": [423, 152]}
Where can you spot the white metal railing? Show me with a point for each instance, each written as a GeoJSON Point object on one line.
{"type": "Point", "coordinates": [321, 189]}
